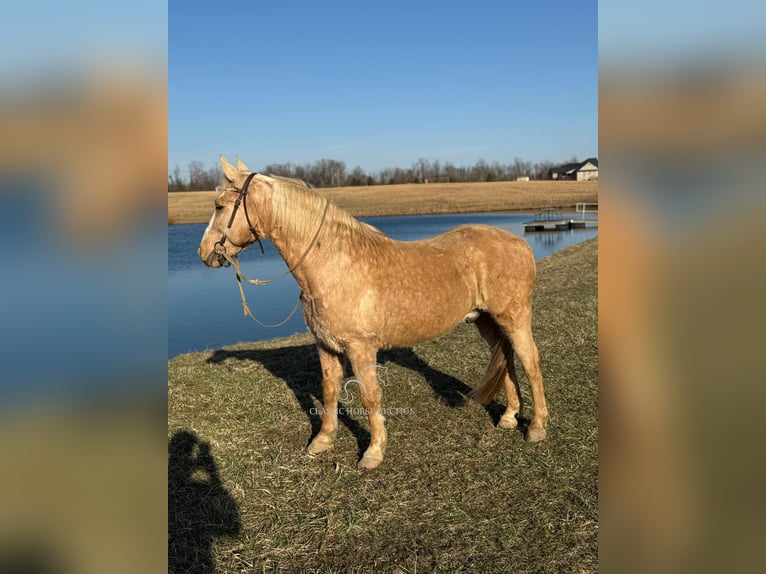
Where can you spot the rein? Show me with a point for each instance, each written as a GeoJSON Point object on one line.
{"type": "Point", "coordinates": [226, 259]}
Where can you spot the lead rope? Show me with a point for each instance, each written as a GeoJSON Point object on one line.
{"type": "Point", "coordinates": [234, 261]}
{"type": "Point", "coordinates": [246, 307]}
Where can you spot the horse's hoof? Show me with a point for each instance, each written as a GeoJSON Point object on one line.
{"type": "Point", "coordinates": [535, 434]}
{"type": "Point", "coordinates": [318, 445]}
{"type": "Point", "coordinates": [508, 421]}
{"type": "Point", "coordinates": [369, 463]}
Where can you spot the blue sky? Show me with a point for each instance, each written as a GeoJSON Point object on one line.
{"type": "Point", "coordinates": [43, 40]}
{"type": "Point", "coordinates": [382, 84]}
{"type": "Point", "coordinates": [688, 32]}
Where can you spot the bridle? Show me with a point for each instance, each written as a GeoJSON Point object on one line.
{"type": "Point", "coordinates": [219, 247]}
{"type": "Point", "coordinates": [225, 259]}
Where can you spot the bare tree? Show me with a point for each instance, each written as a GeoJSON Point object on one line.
{"type": "Point", "coordinates": [332, 173]}
{"type": "Point", "coordinates": [357, 177]}
{"type": "Point", "coordinates": [197, 175]}
{"type": "Point", "coordinates": [175, 182]}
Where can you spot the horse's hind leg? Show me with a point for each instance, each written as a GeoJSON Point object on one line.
{"type": "Point", "coordinates": [519, 331]}
{"type": "Point", "coordinates": [501, 365]}
{"type": "Point", "coordinates": [332, 373]}
{"type": "Point", "coordinates": [364, 362]}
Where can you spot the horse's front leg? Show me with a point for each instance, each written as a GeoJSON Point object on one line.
{"type": "Point", "coordinates": [364, 362]}
{"type": "Point", "coordinates": [332, 373]}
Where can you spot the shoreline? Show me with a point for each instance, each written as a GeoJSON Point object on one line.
{"type": "Point", "coordinates": [418, 199]}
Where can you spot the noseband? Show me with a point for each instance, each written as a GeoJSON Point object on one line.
{"type": "Point", "coordinates": [219, 247]}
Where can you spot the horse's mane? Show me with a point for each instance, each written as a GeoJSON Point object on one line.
{"type": "Point", "coordinates": [297, 209]}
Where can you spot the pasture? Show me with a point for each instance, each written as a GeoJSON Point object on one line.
{"type": "Point", "coordinates": [454, 493]}
{"type": "Point", "coordinates": [418, 199]}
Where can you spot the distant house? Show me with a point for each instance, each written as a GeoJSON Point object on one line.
{"type": "Point", "coordinates": [581, 171]}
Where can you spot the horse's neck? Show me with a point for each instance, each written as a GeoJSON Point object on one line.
{"type": "Point", "coordinates": [317, 253]}
{"type": "Point", "coordinates": [296, 251]}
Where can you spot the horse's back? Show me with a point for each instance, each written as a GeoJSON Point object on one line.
{"type": "Point", "coordinates": [483, 242]}
{"type": "Point", "coordinates": [502, 263]}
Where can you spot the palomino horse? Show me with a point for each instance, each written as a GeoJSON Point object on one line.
{"type": "Point", "coordinates": [363, 291]}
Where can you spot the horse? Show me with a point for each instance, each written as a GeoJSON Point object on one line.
{"type": "Point", "coordinates": [362, 291]}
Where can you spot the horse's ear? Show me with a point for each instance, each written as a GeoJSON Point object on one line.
{"type": "Point", "coordinates": [241, 165]}
{"type": "Point", "coordinates": [228, 170]}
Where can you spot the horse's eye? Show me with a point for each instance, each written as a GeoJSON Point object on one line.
{"type": "Point", "coordinates": [218, 207]}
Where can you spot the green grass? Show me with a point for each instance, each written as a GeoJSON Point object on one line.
{"type": "Point", "coordinates": [454, 493]}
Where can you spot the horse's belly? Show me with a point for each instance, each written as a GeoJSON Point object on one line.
{"type": "Point", "coordinates": [421, 325]}
{"type": "Point", "coordinates": [393, 315]}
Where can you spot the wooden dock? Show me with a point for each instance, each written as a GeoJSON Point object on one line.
{"type": "Point", "coordinates": [551, 220]}
{"type": "Point", "coordinates": [559, 224]}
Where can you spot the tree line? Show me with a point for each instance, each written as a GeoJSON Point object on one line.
{"type": "Point", "coordinates": [333, 173]}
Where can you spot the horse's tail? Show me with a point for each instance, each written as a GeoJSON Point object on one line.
{"type": "Point", "coordinates": [502, 352]}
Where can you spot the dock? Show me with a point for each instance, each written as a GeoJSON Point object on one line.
{"type": "Point", "coordinates": [552, 220]}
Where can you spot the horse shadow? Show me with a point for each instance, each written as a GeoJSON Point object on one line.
{"type": "Point", "coordinates": [300, 369]}
{"type": "Point", "coordinates": [448, 389]}
{"type": "Point", "coordinates": [199, 507]}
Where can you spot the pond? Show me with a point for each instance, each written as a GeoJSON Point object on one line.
{"type": "Point", "coordinates": [204, 306]}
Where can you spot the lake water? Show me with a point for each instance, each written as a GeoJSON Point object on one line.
{"type": "Point", "coordinates": [204, 306]}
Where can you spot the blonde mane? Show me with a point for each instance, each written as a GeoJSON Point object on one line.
{"type": "Point", "coordinates": [297, 209]}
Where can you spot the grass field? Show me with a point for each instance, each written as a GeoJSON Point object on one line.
{"type": "Point", "coordinates": [454, 493]}
{"type": "Point", "coordinates": [410, 199]}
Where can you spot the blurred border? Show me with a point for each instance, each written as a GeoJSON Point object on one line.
{"type": "Point", "coordinates": [682, 130]}
{"type": "Point", "coordinates": [83, 170]}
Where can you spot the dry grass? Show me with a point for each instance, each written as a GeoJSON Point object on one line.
{"type": "Point", "coordinates": [454, 494]}
{"type": "Point", "coordinates": [411, 199]}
